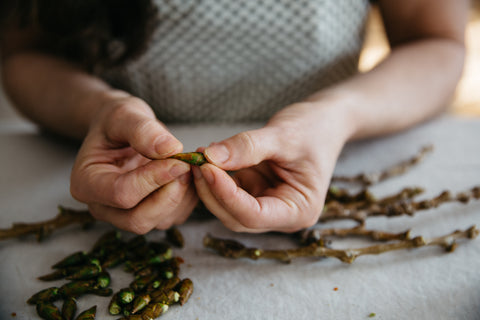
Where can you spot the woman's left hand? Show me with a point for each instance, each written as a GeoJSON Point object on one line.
{"type": "Point", "coordinates": [281, 172]}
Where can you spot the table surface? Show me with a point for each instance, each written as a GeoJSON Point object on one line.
{"type": "Point", "coordinates": [425, 283]}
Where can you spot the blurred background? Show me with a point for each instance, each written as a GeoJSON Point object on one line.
{"type": "Point", "coordinates": [467, 99]}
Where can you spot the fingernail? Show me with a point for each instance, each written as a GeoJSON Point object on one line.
{"type": "Point", "coordinates": [217, 153]}
{"type": "Point", "coordinates": [207, 175]}
{"type": "Point", "coordinates": [178, 169]}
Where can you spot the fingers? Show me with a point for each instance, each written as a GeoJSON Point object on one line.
{"type": "Point", "coordinates": [186, 207]}
{"type": "Point", "coordinates": [102, 183]}
{"type": "Point", "coordinates": [240, 211]}
{"type": "Point", "coordinates": [135, 124]}
{"type": "Point", "coordinates": [213, 205]}
{"type": "Point", "coordinates": [244, 149]}
{"type": "Point", "coordinates": [253, 180]}
{"type": "Point", "coordinates": [169, 205]}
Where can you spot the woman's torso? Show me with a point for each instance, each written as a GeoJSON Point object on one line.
{"type": "Point", "coordinates": [243, 60]}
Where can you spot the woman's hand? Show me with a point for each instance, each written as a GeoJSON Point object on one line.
{"type": "Point", "coordinates": [281, 171]}
{"type": "Point", "coordinates": [123, 173]}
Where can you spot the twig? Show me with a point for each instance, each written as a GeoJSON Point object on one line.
{"type": "Point", "coordinates": [42, 229]}
{"type": "Point", "coordinates": [234, 249]}
{"type": "Point", "coordinates": [364, 199]}
{"type": "Point", "coordinates": [309, 236]}
{"type": "Point", "coordinates": [367, 179]}
{"type": "Point", "coordinates": [385, 207]}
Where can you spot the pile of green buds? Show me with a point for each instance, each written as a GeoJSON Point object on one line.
{"type": "Point", "coordinates": [155, 287]}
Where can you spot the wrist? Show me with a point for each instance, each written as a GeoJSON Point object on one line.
{"type": "Point", "coordinates": [338, 110]}
{"type": "Point", "coordinates": [317, 129]}
{"type": "Point", "coordinates": [334, 112]}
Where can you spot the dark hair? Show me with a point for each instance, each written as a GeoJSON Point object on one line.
{"type": "Point", "coordinates": [96, 34]}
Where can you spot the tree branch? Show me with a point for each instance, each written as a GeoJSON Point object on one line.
{"type": "Point", "coordinates": [367, 179]}
{"type": "Point", "coordinates": [234, 249]}
{"type": "Point", "coordinates": [43, 229]}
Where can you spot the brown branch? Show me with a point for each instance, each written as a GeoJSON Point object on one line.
{"type": "Point", "coordinates": [344, 196]}
{"type": "Point", "coordinates": [404, 195]}
{"type": "Point", "coordinates": [386, 207]}
{"type": "Point", "coordinates": [43, 229]}
{"type": "Point", "coordinates": [340, 200]}
{"type": "Point", "coordinates": [314, 235]}
{"type": "Point", "coordinates": [367, 179]}
{"type": "Point", "coordinates": [234, 249]}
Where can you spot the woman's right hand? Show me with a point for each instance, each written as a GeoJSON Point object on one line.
{"type": "Point", "coordinates": [123, 172]}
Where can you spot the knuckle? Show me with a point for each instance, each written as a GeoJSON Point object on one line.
{"type": "Point", "coordinates": [146, 132]}
{"type": "Point", "coordinates": [138, 224]}
{"type": "Point", "coordinates": [148, 182]}
{"type": "Point", "coordinates": [127, 105]}
{"type": "Point", "coordinates": [308, 220]}
{"type": "Point", "coordinates": [164, 225]}
{"type": "Point", "coordinates": [172, 201]}
{"type": "Point", "coordinates": [139, 229]}
{"type": "Point", "coordinates": [247, 142]}
{"type": "Point", "coordinates": [121, 202]}
{"type": "Point", "coordinates": [119, 112]}
{"type": "Point", "coordinates": [180, 220]}
{"type": "Point", "coordinates": [122, 198]}
{"type": "Point", "coordinates": [144, 126]}
{"type": "Point", "coordinates": [251, 223]}
{"type": "Point", "coordinates": [127, 109]}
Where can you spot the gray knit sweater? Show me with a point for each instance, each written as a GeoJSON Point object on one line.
{"type": "Point", "coordinates": [243, 60]}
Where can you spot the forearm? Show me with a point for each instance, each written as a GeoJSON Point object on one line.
{"type": "Point", "coordinates": [53, 93]}
{"type": "Point", "coordinates": [413, 84]}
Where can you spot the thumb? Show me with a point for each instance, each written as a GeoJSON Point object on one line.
{"type": "Point", "coordinates": [243, 150]}
{"type": "Point", "coordinates": [143, 132]}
